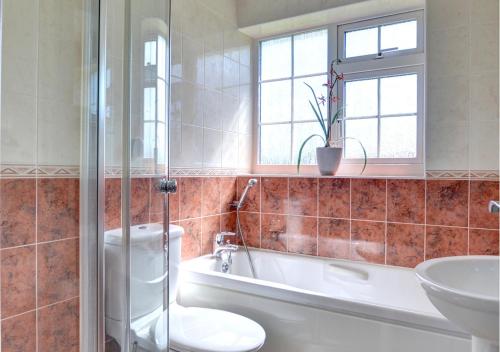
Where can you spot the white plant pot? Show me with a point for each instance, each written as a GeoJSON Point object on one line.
{"type": "Point", "coordinates": [328, 160]}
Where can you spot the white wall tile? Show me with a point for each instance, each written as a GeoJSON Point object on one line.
{"type": "Point", "coordinates": [230, 150]}
{"type": "Point", "coordinates": [484, 150]}
{"type": "Point", "coordinates": [484, 97]}
{"type": "Point", "coordinates": [212, 148]}
{"type": "Point", "coordinates": [192, 104]}
{"type": "Point", "coordinates": [193, 64]}
{"type": "Point", "coordinates": [212, 114]}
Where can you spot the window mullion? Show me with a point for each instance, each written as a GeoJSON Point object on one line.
{"type": "Point", "coordinates": [378, 117]}
{"type": "Point", "coordinates": [292, 118]}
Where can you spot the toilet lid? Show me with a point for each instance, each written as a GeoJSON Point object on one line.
{"type": "Point", "coordinates": [209, 330]}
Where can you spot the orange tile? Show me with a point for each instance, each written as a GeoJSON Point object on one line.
{"type": "Point", "coordinates": [173, 205]}
{"type": "Point", "coordinates": [273, 232]}
{"type": "Point", "coordinates": [210, 199]}
{"type": "Point", "coordinates": [334, 238]}
{"type": "Point", "coordinates": [483, 242]}
{"type": "Point", "coordinates": [19, 333]}
{"type": "Point", "coordinates": [227, 193]}
{"type": "Point", "coordinates": [368, 241]}
{"type": "Point", "coordinates": [405, 244]}
{"type": "Point", "coordinates": [190, 198]}
{"type": "Point", "coordinates": [18, 273]}
{"type": "Point", "coordinates": [58, 208]}
{"type": "Point", "coordinates": [368, 199]}
{"type": "Point", "coordinates": [58, 327]}
{"type": "Point", "coordinates": [112, 203]}
{"type": "Point", "coordinates": [210, 226]}
{"type": "Point", "coordinates": [191, 241]}
{"type": "Point", "coordinates": [302, 234]}
{"type": "Point", "coordinates": [58, 271]}
{"type": "Point", "coordinates": [481, 192]}
{"type": "Point", "coordinates": [250, 225]}
{"type": "Point", "coordinates": [156, 200]}
{"type": "Point", "coordinates": [406, 201]}
{"type": "Point", "coordinates": [139, 200]}
{"type": "Point", "coordinates": [275, 195]}
{"type": "Point", "coordinates": [334, 198]}
{"type": "Point", "coordinates": [445, 241]}
{"type": "Point", "coordinates": [447, 202]}
{"type": "Point", "coordinates": [303, 194]}
{"type": "Point", "coordinates": [17, 212]}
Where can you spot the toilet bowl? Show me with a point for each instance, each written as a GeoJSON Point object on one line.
{"type": "Point", "coordinates": [192, 329]}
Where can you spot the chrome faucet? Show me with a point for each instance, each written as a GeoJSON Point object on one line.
{"type": "Point", "coordinates": [494, 206]}
{"type": "Point", "coordinates": [223, 250]}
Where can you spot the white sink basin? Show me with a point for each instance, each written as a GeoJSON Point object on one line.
{"type": "Point", "coordinates": [465, 290]}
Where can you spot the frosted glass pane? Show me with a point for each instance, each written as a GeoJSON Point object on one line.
{"type": "Point", "coordinates": [276, 101]}
{"type": "Point", "coordinates": [365, 131]}
{"type": "Point", "coordinates": [399, 36]}
{"type": "Point", "coordinates": [361, 42]}
{"type": "Point", "coordinates": [300, 133]}
{"type": "Point", "coordinates": [149, 104]}
{"type": "Point", "coordinates": [275, 144]}
{"type": "Point", "coordinates": [398, 137]}
{"type": "Point", "coordinates": [149, 139]}
{"type": "Point", "coordinates": [302, 95]}
{"type": "Point", "coordinates": [361, 98]}
{"type": "Point", "coordinates": [276, 58]}
{"type": "Point", "coordinates": [162, 59]}
{"type": "Point", "coordinates": [150, 53]}
{"type": "Point", "coordinates": [398, 95]}
{"type": "Point", "coordinates": [310, 53]}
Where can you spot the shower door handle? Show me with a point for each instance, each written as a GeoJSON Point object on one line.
{"type": "Point", "coordinates": [167, 186]}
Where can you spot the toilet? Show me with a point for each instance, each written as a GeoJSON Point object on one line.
{"type": "Point", "coordinates": [192, 329]}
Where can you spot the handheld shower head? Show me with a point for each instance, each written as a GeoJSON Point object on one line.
{"type": "Point", "coordinates": [252, 182]}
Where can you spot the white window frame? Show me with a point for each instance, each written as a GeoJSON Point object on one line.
{"type": "Point", "coordinates": [389, 64]}
{"type": "Point", "coordinates": [292, 123]}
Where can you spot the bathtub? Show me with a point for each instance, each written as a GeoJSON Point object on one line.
{"type": "Point", "coordinates": [316, 304]}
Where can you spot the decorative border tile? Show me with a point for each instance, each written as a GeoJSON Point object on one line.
{"type": "Point", "coordinates": [463, 174]}
{"type": "Point", "coordinates": [31, 171]}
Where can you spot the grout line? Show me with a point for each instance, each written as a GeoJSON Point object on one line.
{"type": "Point", "coordinates": [468, 217]}
{"type": "Point", "coordinates": [317, 216]}
{"type": "Point", "coordinates": [350, 220]}
{"type": "Point", "coordinates": [425, 219]}
{"type": "Point", "coordinates": [385, 222]}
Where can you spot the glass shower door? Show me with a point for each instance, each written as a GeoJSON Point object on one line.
{"type": "Point", "coordinates": [135, 79]}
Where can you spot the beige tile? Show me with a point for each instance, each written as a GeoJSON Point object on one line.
{"type": "Point", "coordinates": [447, 51]}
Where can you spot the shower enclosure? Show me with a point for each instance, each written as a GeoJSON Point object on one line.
{"type": "Point", "coordinates": [83, 167]}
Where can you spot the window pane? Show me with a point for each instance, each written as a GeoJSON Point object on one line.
{"type": "Point", "coordinates": [361, 98]}
{"type": "Point", "coordinates": [162, 61]}
{"type": "Point", "coordinates": [300, 133]}
{"type": "Point", "coordinates": [361, 42]}
{"type": "Point", "coordinates": [398, 137]}
{"type": "Point", "coordinates": [398, 95]}
{"type": "Point", "coordinates": [302, 96]}
{"type": "Point", "coordinates": [276, 58]}
{"type": "Point", "coordinates": [310, 53]}
{"type": "Point", "coordinates": [275, 144]}
{"type": "Point", "coordinates": [399, 36]}
{"type": "Point", "coordinates": [149, 139]}
{"type": "Point", "coordinates": [149, 104]}
{"type": "Point", "coordinates": [276, 101]}
{"type": "Point", "coordinates": [365, 131]}
{"type": "Point", "coordinates": [150, 53]}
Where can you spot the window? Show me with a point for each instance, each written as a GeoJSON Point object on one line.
{"type": "Point", "coordinates": [286, 119]}
{"type": "Point", "coordinates": [381, 95]}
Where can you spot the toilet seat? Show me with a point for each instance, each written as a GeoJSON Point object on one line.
{"type": "Point", "coordinates": [208, 330]}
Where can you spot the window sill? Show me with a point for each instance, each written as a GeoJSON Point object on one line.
{"type": "Point", "coordinates": [345, 170]}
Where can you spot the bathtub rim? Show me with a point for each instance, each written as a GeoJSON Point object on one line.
{"type": "Point", "coordinates": [192, 272]}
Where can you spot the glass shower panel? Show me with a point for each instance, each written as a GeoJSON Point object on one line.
{"type": "Point", "coordinates": [136, 161]}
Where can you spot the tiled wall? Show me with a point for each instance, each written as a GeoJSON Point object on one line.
{"type": "Point", "coordinates": [211, 100]}
{"type": "Point", "coordinates": [39, 264]}
{"type": "Point", "coordinates": [201, 206]}
{"type": "Point", "coordinates": [389, 221]}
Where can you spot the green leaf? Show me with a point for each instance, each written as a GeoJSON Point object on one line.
{"type": "Point", "coordinates": [321, 122]}
{"type": "Point", "coordinates": [302, 148]}
{"type": "Point", "coordinates": [317, 112]}
{"type": "Point", "coordinates": [362, 147]}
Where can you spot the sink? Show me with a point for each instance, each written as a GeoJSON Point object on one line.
{"type": "Point", "coordinates": [465, 290]}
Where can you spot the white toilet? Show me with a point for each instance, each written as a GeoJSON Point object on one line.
{"type": "Point", "coordinates": [191, 329]}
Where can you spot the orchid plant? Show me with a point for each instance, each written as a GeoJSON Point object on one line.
{"type": "Point", "coordinates": [333, 115]}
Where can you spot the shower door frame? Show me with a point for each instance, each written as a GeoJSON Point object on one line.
{"type": "Point", "coordinates": [92, 184]}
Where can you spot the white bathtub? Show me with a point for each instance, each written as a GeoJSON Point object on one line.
{"type": "Point", "coordinates": [315, 304]}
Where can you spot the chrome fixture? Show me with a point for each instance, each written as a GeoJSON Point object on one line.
{"type": "Point", "coordinates": [494, 206]}
{"type": "Point", "coordinates": [167, 186]}
{"type": "Point", "coordinates": [224, 251]}
{"type": "Point", "coordinates": [238, 205]}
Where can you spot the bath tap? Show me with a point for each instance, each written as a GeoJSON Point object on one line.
{"type": "Point", "coordinates": [494, 206]}
{"type": "Point", "coordinates": [226, 248]}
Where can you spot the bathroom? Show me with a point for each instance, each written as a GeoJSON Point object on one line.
{"type": "Point", "coordinates": [249, 175]}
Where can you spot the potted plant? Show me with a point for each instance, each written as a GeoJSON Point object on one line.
{"type": "Point", "coordinates": [330, 155]}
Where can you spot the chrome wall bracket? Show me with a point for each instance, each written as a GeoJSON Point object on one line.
{"type": "Point", "coordinates": [167, 186]}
